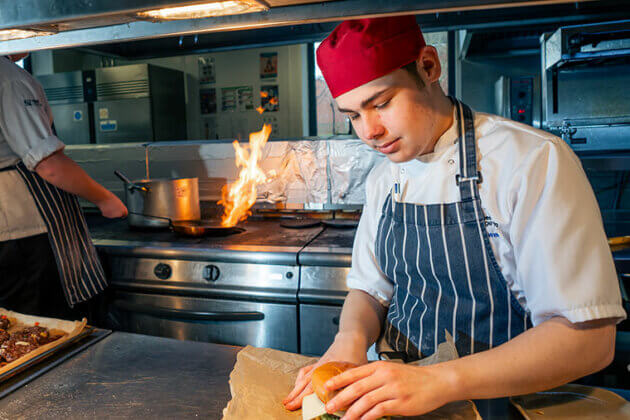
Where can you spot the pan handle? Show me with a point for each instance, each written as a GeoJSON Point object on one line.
{"type": "Point", "coordinates": [130, 184]}
{"type": "Point", "coordinates": [170, 222]}
{"type": "Point", "coordinates": [190, 315]}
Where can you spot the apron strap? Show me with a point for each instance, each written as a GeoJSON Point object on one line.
{"type": "Point", "coordinates": [469, 176]}
{"type": "Point", "coordinates": [8, 168]}
{"type": "Point", "coordinates": [80, 270]}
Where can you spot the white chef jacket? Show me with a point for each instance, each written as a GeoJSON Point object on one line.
{"type": "Point", "coordinates": [25, 134]}
{"type": "Point", "coordinates": [544, 223]}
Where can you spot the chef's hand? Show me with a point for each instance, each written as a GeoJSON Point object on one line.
{"type": "Point", "coordinates": [381, 389]}
{"type": "Point", "coordinates": [111, 206]}
{"type": "Point", "coordinates": [343, 349]}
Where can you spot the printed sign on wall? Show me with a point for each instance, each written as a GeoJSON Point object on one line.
{"type": "Point", "coordinates": [269, 100]}
{"type": "Point", "coordinates": [207, 70]}
{"type": "Point", "coordinates": [208, 100]}
{"type": "Point", "coordinates": [268, 65]}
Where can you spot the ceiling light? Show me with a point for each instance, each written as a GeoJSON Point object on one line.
{"type": "Point", "coordinates": [9, 34]}
{"type": "Point", "coordinates": [197, 11]}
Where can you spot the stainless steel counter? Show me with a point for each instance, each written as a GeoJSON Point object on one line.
{"type": "Point", "coordinates": [130, 376]}
{"type": "Point", "coordinates": [137, 376]}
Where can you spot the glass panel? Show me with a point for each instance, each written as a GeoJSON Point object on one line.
{"type": "Point", "coordinates": [332, 122]}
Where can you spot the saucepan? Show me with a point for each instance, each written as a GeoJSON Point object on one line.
{"type": "Point", "coordinates": [166, 199]}
{"type": "Point", "coordinates": [196, 228]}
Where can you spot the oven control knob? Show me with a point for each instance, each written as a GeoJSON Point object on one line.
{"type": "Point", "coordinates": [211, 272]}
{"type": "Point", "coordinates": [163, 271]}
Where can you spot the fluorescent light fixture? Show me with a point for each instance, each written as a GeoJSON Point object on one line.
{"type": "Point", "coordinates": [205, 10]}
{"type": "Point", "coordinates": [9, 34]}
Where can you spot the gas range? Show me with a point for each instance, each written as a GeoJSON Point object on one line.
{"type": "Point", "coordinates": [239, 289]}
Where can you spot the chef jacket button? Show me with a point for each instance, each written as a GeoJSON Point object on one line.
{"type": "Point", "coordinates": [451, 161]}
{"type": "Point", "coordinates": [402, 171]}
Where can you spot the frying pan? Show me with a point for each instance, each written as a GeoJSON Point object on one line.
{"type": "Point", "coordinates": [196, 228]}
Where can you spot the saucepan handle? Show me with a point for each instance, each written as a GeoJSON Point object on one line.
{"type": "Point", "coordinates": [129, 184]}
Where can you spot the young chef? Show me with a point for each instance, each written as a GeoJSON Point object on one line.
{"type": "Point", "coordinates": [45, 249]}
{"type": "Point", "coordinates": [474, 225]}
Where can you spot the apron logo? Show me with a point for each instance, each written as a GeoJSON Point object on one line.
{"type": "Point", "coordinates": [492, 227]}
{"type": "Point", "coordinates": [32, 102]}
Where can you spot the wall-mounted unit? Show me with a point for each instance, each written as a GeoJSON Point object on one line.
{"type": "Point", "coordinates": [514, 97]}
{"type": "Point", "coordinates": [139, 103]}
{"type": "Point", "coordinates": [585, 79]}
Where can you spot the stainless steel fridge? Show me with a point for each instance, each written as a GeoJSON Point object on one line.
{"type": "Point", "coordinates": [139, 103]}
{"type": "Point", "coordinates": [69, 98]}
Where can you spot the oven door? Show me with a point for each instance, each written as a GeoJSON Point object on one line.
{"type": "Point", "coordinates": [223, 321]}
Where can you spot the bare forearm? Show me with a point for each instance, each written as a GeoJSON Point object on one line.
{"type": "Point", "coordinates": [549, 355]}
{"type": "Point", "coordinates": [64, 173]}
{"type": "Point", "coordinates": [361, 318]}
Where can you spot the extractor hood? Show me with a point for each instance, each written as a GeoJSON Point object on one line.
{"type": "Point", "coordinates": [79, 23]}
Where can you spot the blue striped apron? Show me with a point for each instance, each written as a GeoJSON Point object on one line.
{"type": "Point", "coordinates": [445, 275]}
{"type": "Point", "coordinates": [80, 270]}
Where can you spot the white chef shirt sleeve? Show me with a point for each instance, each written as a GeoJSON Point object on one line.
{"type": "Point", "coordinates": [25, 122]}
{"type": "Point", "coordinates": [365, 273]}
{"type": "Point", "coordinates": [563, 260]}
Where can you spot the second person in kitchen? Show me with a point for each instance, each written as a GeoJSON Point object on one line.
{"type": "Point", "coordinates": [474, 225]}
{"type": "Point", "coordinates": [48, 263]}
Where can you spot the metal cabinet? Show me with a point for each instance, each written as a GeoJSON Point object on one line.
{"type": "Point", "coordinates": [318, 326]}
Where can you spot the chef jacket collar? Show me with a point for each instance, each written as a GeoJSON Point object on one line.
{"type": "Point", "coordinates": [445, 141]}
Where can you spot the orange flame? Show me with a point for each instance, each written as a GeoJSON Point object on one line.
{"type": "Point", "coordinates": [263, 94]}
{"type": "Point", "coordinates": [260, 109]}
{"type": "Point", "coordinates": [239, 197]}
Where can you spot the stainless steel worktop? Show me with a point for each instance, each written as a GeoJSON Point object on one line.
{"type": "Point", "coordinates": [137, 376]}
{"type": "Point", "coordinates": [130, 376]}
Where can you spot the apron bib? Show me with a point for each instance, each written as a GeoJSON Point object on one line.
{"type": "Point", "coordinates": [445, 275]}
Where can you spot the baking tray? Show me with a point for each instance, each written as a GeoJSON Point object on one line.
{"type": "Point", "coordinates": [72, 330]}
{"type": "Point", "coordinates": [54, 359]}
{"type": "Point", "coordinates": [88, 330]}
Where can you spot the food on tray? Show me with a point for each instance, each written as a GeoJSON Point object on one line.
{"type": "Point", "coordinates": [313, 405]}
{"type": "Point", "coordinates": [14, 348]}
{"type": "Point", "coordinates": [36, 335]}
{"type": "Point", "coordinates": [22, 341]}
{"type": "Point", "coordinates": [4, 322]}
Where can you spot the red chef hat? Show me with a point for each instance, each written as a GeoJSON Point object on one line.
{"type": "Point", "coordinates": [359, 51]}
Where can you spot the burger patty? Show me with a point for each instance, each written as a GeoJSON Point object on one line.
{"type": "Point", "coordinates": [4, 322]}
{"type": "Point", "coordinates": [14, 348]}
{"type": "Point", "coordinates": [35, 335]}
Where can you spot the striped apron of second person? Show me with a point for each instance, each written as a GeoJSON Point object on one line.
{"type": "Point", "coordinates": [445, 275]}
{"type": "Point", "coordinates": [80, 270]}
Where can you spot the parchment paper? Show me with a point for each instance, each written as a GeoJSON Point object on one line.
{"type": "Point", "coordinates": [262, 378]}
{"type": "Point", "coordinates": [56, 326]}
{"type": "Point", "coordinates": [573, 401]}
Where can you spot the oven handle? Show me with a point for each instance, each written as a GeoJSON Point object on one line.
{"type": "Point", "coordinates": [191, 315]}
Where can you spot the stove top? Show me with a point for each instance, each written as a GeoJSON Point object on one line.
{"type": "Point", "coordinates": [257, 232]}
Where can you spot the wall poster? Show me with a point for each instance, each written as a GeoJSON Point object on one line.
{"type": "Point", "coordinates": [208, 100]}
{"type": "Point", "coordinates": [207, 70]}
{"type": "Point", "coordinates": [269, 100]}
{"type": "Point", "coordinates": [245, 98]}
{"type": "Point", "coordinates": [228, 99]}
{"type": "Point", "coordinates": [268, 65]}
